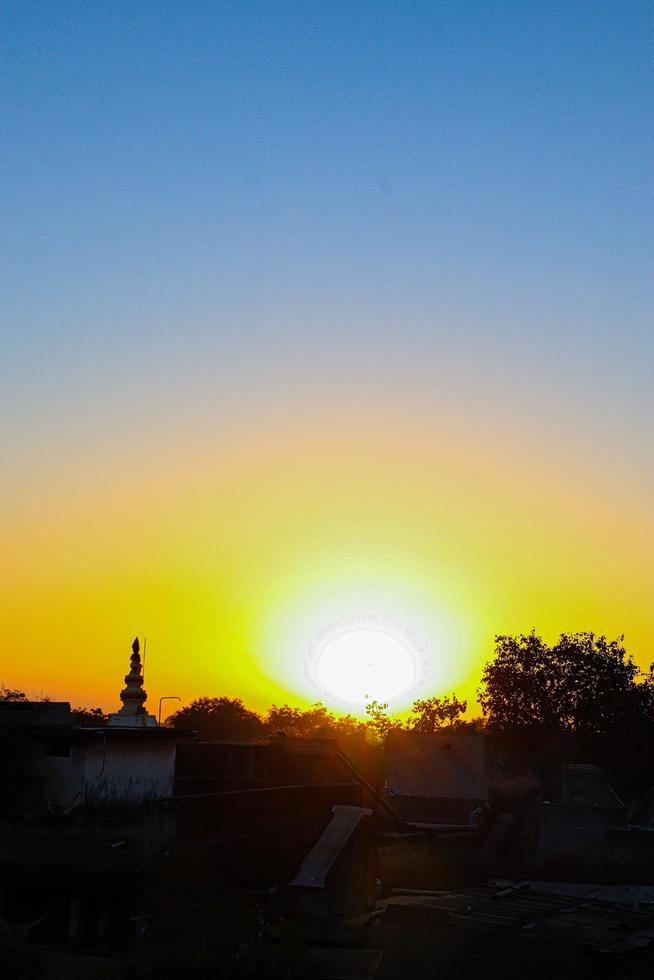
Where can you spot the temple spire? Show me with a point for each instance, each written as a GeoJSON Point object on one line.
{"type": "Point", "coordinates": [133, 713]}
{"type": "Point", "coordinates": [133, 695]}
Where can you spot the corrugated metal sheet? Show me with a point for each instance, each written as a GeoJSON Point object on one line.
{"type": "Point", "coordinates": [628, 895]}
{"type": "Point", "coordinates": [590, 917]}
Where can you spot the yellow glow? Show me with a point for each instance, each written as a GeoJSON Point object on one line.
{"type": "Point", "coordinates": [232, 555]}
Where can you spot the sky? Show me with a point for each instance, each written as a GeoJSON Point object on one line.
{"type": "Point", "coordinates": [317, 315]}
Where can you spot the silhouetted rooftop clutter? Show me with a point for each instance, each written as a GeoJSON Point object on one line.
{"type": "Point", "coordinates": [354, 836]}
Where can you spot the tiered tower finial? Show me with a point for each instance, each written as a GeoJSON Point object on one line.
{"type": "Point", "coordinates": [133, 695]}
{"type": "Point", "coordinates": [133, 713]}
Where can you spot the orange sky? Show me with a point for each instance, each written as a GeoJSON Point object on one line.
{"type": "Point", "coordinates": [231, 552]}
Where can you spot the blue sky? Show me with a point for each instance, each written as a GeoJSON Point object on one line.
{"type": "Point", "coordinates": [165, 157]}
{"type": "Point", "coordinates": [328, 197]}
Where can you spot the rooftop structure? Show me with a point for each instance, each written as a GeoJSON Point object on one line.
{"type": "Point", "coordinates": [436, 779]}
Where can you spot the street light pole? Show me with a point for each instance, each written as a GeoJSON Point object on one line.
{"type": "Point", "coordinates": [166, 697]}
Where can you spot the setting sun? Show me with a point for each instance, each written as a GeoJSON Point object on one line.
{"type": "Point", "coordinates": [356, 665]}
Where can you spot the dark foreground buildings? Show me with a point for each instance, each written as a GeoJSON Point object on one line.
{"type": "Point", "coordinates": [87, 813]}
{"type": "Point", "coordinates": [134, 850]}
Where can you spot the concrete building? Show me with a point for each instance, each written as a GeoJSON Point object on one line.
{"type": "Point", "coordinates": [87, 812]}
{"type": "Point", "coordinates": [436, 779]}
{"type": "Point", "coordinates": [83, 813]}
{"type": "Point", "coordinates": [582, 810]}
{"type": "Point", "coordinates": [49, 765]}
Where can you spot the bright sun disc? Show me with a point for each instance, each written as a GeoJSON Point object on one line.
{"type": "Point", "coordinates": [360, 664]}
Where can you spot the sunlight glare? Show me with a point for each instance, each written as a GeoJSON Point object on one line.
{"type": "Point", "coordinates": [363, 664]}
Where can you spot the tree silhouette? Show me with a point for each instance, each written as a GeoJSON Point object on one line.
{"type": "Point", "coordinates": [432, 714]}
{"type": "Point", "coordinates": [316, 721]}
{"type": "Point", "coordinates": [223, 717]}
{"type": "Point", "coordinates": [380, 724]}
{"type": "Point", "coordinates": [88, 717]}
{"type": "Point", "coordinates": [583, 684]}
{"type": "Point", "coordinates": [10, 694]}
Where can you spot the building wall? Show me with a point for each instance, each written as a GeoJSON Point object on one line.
{"type": "Point", "coordinates": [108, 772]}
{"type": "Point", "coordinates": [562, 827]}
{"type": "Point", "coordinates": [214, 766]}
{"type": "Point", "coordinates": [446, 765]}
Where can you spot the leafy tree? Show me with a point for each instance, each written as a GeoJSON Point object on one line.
{"type": "Point", "coordinates": [218, 718]}
{"type": "Point", "coordinates": [583, 684]}
{"type": "Point", "coordinates": [314, 722]}
{"type": "Point", "coordinates": [229, 718]}
{"type": "Point", "coordinates": [88, 717]}
{"type": "Point", "coordinates": [432, 714]}
{"type": "Point", "coordinates": [10, 694]}
{"type": "Point", "coordinates": [294, 721]}
{"type": "Point", "coordinates": [381, 724]}
{"type": "Point", "coordinates": [646, 695]}
{"type": "Point", "coordinates": [349, 725]}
